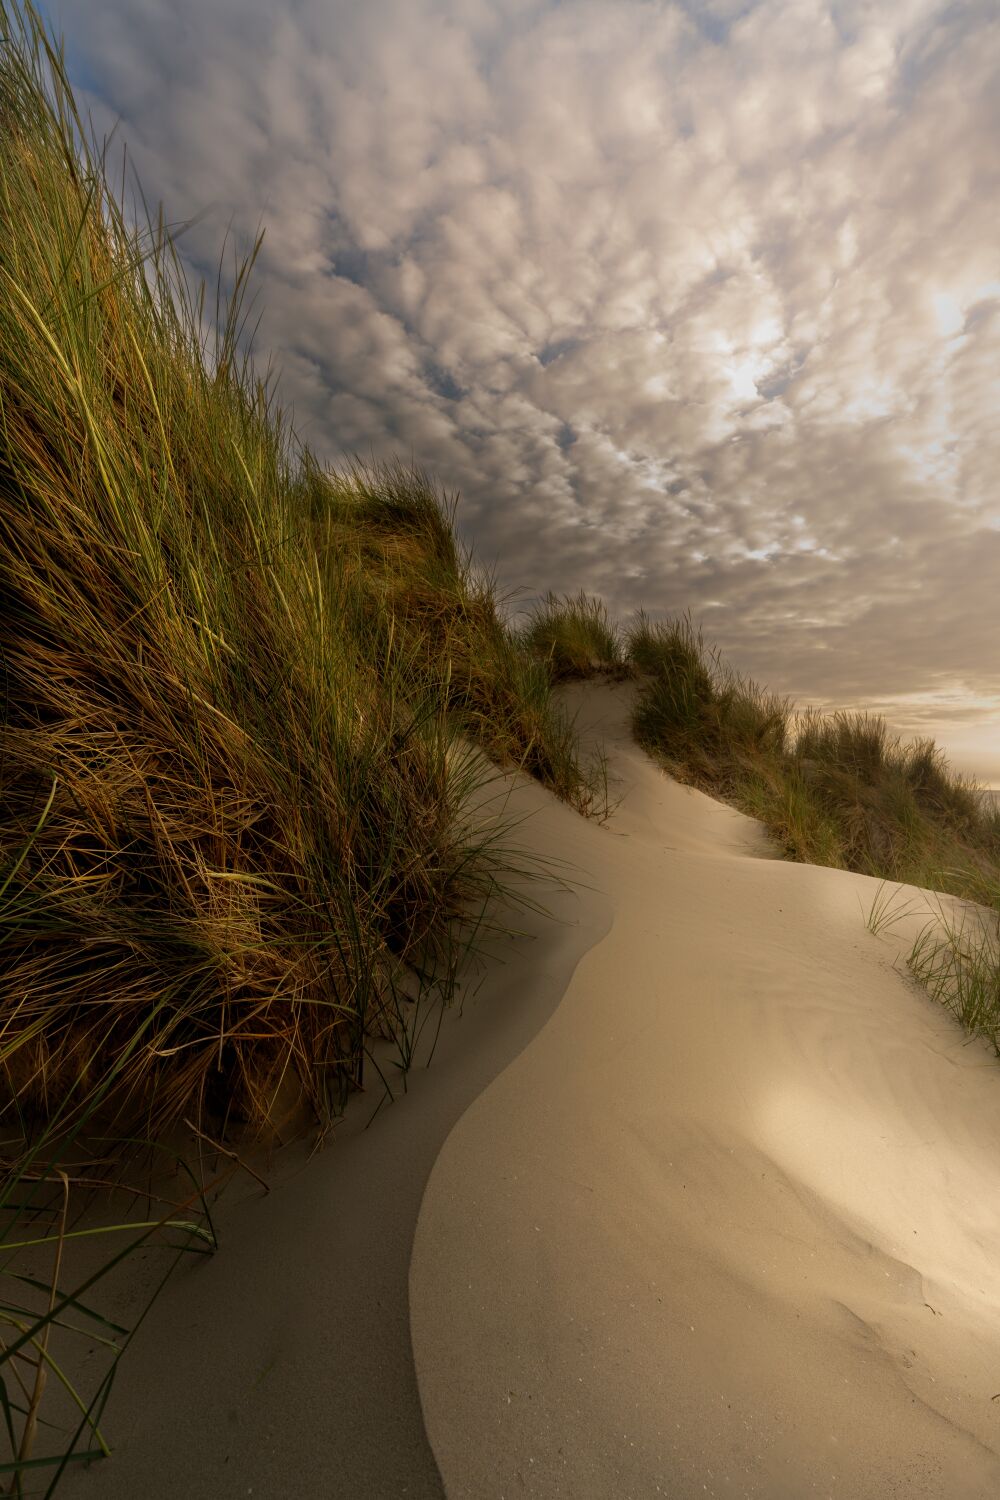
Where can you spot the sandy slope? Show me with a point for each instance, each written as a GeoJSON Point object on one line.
{"type": "Point", "coordinates": [725, 1225]}
{"type": "Point", "coordinates": [282, 1367]}
{"type": "Point", "coordinates": [730, 1224]}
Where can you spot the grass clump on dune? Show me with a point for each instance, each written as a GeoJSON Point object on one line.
{"type": "Point", "coordinates": [958, 962]}
{"type": "Point", "coordinates": [575, 637]}
{"type": "Point", "coordinates": [955, 954]}
{"type": "Point", "coordinates": [695, 708]}
{"type": "Point", "coordinates": [835, 789]}
{"type": "Point", "coordinates": [426, 599]}
{"type": "Point", "coordinates": [250, 817]}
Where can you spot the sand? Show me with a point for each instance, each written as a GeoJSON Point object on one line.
{"type": "Point", "coordinates": [282, 1367]}
{"type": "Point", "coordinates": [701, 1196]}
{"type": "Point", "coordinates": [729, 1225]}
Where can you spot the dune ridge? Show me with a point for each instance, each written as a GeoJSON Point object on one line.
{"type": "Point", "coordinates": [727, 1225]}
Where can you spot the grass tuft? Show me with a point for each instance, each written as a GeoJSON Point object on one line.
{"type": "Point", "coordinates": [575, 637]}
{"type": "Point", "coordinates": [836, 789]}
{"type": "Point", "coordinates": [958, 963]}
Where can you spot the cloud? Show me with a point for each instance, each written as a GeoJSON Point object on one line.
{"type": "Point", "coordinates": [697, 304]}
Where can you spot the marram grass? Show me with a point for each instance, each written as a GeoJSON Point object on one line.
{"type": "Point", "coordinates": [836, 789]}
{"type": "Point", "coordinates": [240, 689]}
{"type": "Point", "coordinates": [575, 637]}
{"type": "Point", "coordinates": [246, 705]}
{"type": "Point", "coordinates": [833, 789]}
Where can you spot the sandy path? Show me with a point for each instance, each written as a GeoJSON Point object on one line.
{"type": "Point", "coordinates": [730, 1224]}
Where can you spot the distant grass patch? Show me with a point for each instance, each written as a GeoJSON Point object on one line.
{"type": "Point", "coordinates": [575, 637]}
{"type": "Point", "coordinates": [955, 954]}
{"type": "Point", "coordinates": [836, 789]}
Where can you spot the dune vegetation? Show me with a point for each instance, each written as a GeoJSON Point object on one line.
{"type": "Point", "coordinates": [575, 637]}
{"type": "Point", "coordinates": [250, 710]}
{"type": "Point", "coordinates": [834, 789]}
{"type": "Point", "coordinates": [239, 690]}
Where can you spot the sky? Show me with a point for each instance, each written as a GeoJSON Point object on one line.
{"type": "Point", "coordinates": [695, 302]}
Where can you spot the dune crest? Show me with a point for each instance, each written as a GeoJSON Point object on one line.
{"type": "Point", "coordinates": [728, 1225]}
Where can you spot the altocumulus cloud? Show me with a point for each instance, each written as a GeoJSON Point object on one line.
{"type": "Point", "coordinates": [697, 303]}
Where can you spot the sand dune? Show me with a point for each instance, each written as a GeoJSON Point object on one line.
{"type": "Point", "coordinates": [282, 1367]}
{"type": "Point", "coordinates": [702, 1198]}
{"type": "Point", "coordinates": [729, 1224]}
